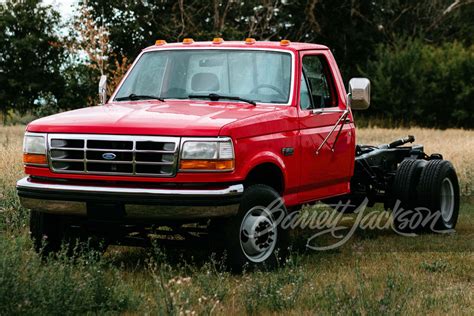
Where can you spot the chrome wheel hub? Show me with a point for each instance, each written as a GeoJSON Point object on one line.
{"type": "Point", "coordinates": [447, 200]}
{"type": "Point", "coordinates": [258, 234]}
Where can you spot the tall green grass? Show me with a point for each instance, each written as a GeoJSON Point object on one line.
{"type": "Point", "coordinates": [59, 285]}
{"type": "Point", "coordinates": [156, 281]}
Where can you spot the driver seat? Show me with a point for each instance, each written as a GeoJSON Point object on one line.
{"type": "Point", "coordinates": [205, 81]}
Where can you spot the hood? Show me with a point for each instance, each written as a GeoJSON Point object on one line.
{"type": "Point", "coordinates": [171, 118]}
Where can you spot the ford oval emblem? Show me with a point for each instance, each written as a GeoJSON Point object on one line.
{"type": "Point", "coordinates": [109, 156]}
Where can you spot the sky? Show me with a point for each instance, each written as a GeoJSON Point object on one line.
{"type": "Point", "coordinates": [65, 7]}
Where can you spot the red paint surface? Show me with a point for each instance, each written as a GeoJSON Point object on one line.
{"type": "Point", "coordinates": [259, 132]}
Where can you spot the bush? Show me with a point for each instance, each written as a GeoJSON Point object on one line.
{"type": "Point", "coordinates": [415, 82]}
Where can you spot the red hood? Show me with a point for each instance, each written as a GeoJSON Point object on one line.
{"type": "Point", "coordinates": [172, 118]}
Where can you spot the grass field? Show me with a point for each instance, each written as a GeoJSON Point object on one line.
{"type": "Point", "coordinates": [377, 272]}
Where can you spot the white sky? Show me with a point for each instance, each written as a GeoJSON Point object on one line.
{"type": "Point", "coordinates": [65, 7]}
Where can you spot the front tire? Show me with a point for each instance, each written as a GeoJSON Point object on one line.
{"type": "Point", "coordinates": [254, 237]}
{"type": "Point", "coordinates": [50, 232]}
{"type": "Point", "coordinates": [46, 231]}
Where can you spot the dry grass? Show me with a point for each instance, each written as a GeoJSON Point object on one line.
{"type": "Point", "coordinates": [11, 140]}
{"type": "Point", "coordinates": [456, 145]}
{"type": "Point", "coordinates": [11, 169]}
{"type": "Point", "coordinates": [378, 272]}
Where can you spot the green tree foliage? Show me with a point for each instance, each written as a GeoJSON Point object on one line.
{"type": "Point", "coordinates": [79, 89]}
{"type": "Point", "coordinates": [137, 24]}
{"type": "Point", "coordinates": [427, 84]}
{"type": "Point", "coordinates": [364, 36]}
{"type": "Point", "coordinates": [30, 56]}
{"type": "Point", "coordinates": [352, 28]}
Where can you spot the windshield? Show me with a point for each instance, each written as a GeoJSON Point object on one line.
{"type": "Point", "coordinates": [260, 76]}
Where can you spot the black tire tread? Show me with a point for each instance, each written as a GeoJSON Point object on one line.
{"type": "Point", "coordinates": [428, 189]}
{"type": "Point", "coordinates": [49, 233]}
{"type": "Point", "coordinates": [46, 232]}
{"type": "Point", "coordinates": [405, 183]}
{"type": "Point", "coordinates": [429, 176]}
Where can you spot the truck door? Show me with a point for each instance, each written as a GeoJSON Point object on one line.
{"type": "Point", "coordinates": [326, 129]}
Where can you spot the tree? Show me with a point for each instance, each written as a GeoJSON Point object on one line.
{"type": "Point", "coordinates": [31, 56]}
{"type": "Point", "coordinates": [416, 82]}
{"type": "Point", "coordinates": [134, 25]}
{"type": "Point", "coordinates": [38, 67]}
{"type": "Point", "coordinates": [90, 36]}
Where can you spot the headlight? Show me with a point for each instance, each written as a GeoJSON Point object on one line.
{"type": "Point", "coordinates": [34, 149]}
{"type": "Point", "coordinates": [200, 150]}
{"type": "Point", "coordinates": [207, 155]}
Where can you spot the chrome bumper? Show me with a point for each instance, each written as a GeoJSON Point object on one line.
{"type": "Point", "coordinates": [136, 203]}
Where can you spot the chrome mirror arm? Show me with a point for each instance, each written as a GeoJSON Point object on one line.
{"type": "Point", "coordinates": [344, 115]}
{"type": "Point", "coordinates": [344, 121]}
{"type": "Point", "coordinates": [343, 118]}
{"type": "Point", "coordinates": [103, 89]}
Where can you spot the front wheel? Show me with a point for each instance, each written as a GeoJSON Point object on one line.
{"type": "Point", "coordinates": [46, 231]}
{"type": "Point", "coordinates": [51, 234]}
{"type": "Point", "coordinates": [254, 237]}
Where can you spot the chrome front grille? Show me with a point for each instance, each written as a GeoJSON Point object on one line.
{"type": "Point", "coordinates": [113, 154]}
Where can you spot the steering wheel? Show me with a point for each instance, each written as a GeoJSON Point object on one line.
{"type": "Point", "coordinates": [269, 86]}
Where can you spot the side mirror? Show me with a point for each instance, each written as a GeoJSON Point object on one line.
{"type": "Point", "coordinates": [359, 93]}
{"type": "Point", "coordinates": [103, 89]}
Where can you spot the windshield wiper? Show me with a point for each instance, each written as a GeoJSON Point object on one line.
{"type": "Point", "coordinates": [136, 97]}
{"type": "Point", "coordinates": [217, 97]}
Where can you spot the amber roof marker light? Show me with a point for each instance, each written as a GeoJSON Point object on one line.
{"type": "Point", "coordinates": [217, 40]}
{"type": "Point", "coordinates": [160, 42]}
{"type": "Point", "coordinates": [188, 41]}
{"type": "Point", "coordinates": [285, 42]}
{"type": "Point", "coordinates": [250, 41]}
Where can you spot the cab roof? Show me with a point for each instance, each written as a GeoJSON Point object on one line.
{"type": "Point", "coordinates": [291, 46]}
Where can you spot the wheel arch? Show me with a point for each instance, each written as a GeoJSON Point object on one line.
{"type": "Point", "coordinates": [267, 171]}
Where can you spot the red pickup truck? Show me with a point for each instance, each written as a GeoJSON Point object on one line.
{"type": "Point", "coordinates": [217, 133]}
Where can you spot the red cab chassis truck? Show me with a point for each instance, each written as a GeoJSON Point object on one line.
{"type": "Point", "coordinates": [214, 133]}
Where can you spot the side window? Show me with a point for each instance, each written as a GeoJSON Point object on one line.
{"type": "Point", "coordinates": [305, 98]}
{"type": "Point", "coordinates": [321, 87]}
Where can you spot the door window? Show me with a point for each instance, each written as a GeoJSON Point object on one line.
{"type": "Point", "coordinates": [318, 83]}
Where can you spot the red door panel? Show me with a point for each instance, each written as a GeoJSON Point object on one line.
{"type": "Point", "coordinates": [327, 140]}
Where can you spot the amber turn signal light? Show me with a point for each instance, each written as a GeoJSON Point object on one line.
{"type": "Point", "coordinates": [35, 159]}
{"type": "Point", "coordinates": [207, 165]}
{"type": "Point", "coordinates": [250, 40]}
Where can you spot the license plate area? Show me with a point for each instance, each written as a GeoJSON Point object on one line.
{"type": "Point", "coordinates": [105, 211]}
